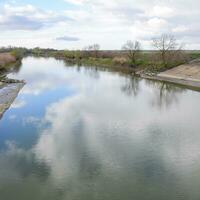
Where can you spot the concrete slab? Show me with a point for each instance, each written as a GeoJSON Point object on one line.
{"type": "Point", "coordinates": [8, 93]}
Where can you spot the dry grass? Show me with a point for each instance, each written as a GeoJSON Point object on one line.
{"type": "Point", "coordinates": [6, 58]}
{"type": "Point", "coordinates": [120, 60]}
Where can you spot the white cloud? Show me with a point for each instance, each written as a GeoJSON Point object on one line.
{"type": "Point", "coordinates": [180, 29]}
{"type": "Point", "coordinates": [146, 30]}
{"type": "Point", "coordinates": [18, 104]}
{"type": "Point", "coordinates": [96, 130]}
{"type": "Point", "coordinates": [76, 2]}
{"type": "Point", "coordinates": [160, 11]}
{"type": "Point", "coordinates": [109, 23]}
{"type": "Point", "coordinates": [27, 17]}
{"type": "Point", "coordinates": [31, 120]}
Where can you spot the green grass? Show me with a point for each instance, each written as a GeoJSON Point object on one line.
{"type": "Point", "coordinates": [195, 55]}
{"type": "Point", "coordinates": [104, 62]}
{"type": "Point", "coordinates": [114, 59]}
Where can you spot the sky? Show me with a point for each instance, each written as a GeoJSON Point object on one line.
{"type": "Point", "coordinates": [74, 24]}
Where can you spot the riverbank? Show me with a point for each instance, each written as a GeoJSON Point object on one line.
{"type": "Point", "coordinates": [8, 93]}
{"type": "Point", "coordinates": [6, 58]}
{"type": "Point", "coordinates": [8, 62]}
{"type": "Point", "coordinates": [187, 75]}
{"type": "Point", "coordinates": [9, 88]}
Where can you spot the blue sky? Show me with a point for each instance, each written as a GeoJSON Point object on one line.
{"type": "Point", "coordinates": [73, 24]}
{"type": "Point", "coordinates": [44, 4]}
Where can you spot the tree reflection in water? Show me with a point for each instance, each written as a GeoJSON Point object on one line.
{"type": "Point", "coordinates": [165, 93]}
{"type": "Point", "coordinates": [14, 67]}
{"type": "Point", "coordinates": [131, 86]}
{"type": "Point", "coordinates": [93, 72]}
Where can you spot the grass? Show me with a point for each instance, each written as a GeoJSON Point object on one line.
{"type": "Point", "coordinates": [104, 62]}
{"type": "Point", "coordinates": [8, 62]}
{"type": "Point", "coordinates": [6, 58]}
{"type": "Point", "coordinates": [195, 55]}
{"type": "Point", "coordinates": [147, 60]}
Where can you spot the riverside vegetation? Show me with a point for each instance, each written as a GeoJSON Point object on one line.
{"type": "Point", "coordinates": [167, 54]}
{"type": "Point", "coordinates": [10, 61]}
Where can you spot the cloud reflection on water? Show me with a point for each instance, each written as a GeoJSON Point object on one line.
{"type": "Point", "coordinates": [108, 140]}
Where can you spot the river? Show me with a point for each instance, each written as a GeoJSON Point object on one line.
{"type": "Point", "coordinates": [84, 133]}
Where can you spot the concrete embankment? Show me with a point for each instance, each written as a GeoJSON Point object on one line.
{"type": "Point", "coordinates": [8, 93]}
{"type": "Point", "coordinates": [187, 75]}
{"type": "Point", "coordinates": [9, 88]}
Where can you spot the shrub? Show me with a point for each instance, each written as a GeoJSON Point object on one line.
{"type": "Point", "coordinates": [120, 60]}
{"type": "Point", "coordinates": [18, 53]}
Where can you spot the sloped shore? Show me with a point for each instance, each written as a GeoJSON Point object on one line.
{"type": "Point", "coordinates": [8, 93]}
{"type": "Point", "coordinates": [190, 84]}
{"type": "Point", "coordinates": [187, 75]}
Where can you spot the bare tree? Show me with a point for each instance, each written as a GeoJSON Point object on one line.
{"type": "Point", "coordinates": [95, 49]}
{"type": "Point", "coordinates": [92, 50]}
{"type": "Point", "coordinates": [167, 46]}
{"type": "Point", "coordinates": [132, 49]}
{"type": "Point", "coordinates": [85, 52]}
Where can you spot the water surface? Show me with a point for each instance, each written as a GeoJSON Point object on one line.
{"type": "Point", "coordinates": [82, 133]}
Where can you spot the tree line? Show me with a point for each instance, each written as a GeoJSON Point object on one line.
{"type": "Point", "coordinates": [167, 53]}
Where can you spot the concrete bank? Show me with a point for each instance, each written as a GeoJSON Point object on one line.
{"type": "Point", "coordinates": [8, 93]}
{"type": "Point", "coordinates": [187, 75]}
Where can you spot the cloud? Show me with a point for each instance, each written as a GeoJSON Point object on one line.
{"type": "Point", "coordinates": [161, 11]}
{"type": "Point", "coordinates": [67, 38]}
{"type": "Point", "coordinates": [180, 29]}
{"type": "Point", "coordinates": [31, 120]}
{"type": "Point", "coordinates": [42, 77]}
{"type": "Point", "coordinates": [154, 27]}
{"type": "Point", "coordinates": [138, 19]}
{"type": "Point", "coordinates": [19, 103]}
{"type": "Point", "coordinates": [88, 137]}
{"type": "Point", "coordinates": [28, 17]}
{"type": "Point", "coordinates": [108, 23]}
{"type": "Point", "coordinates": [76, 2]}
